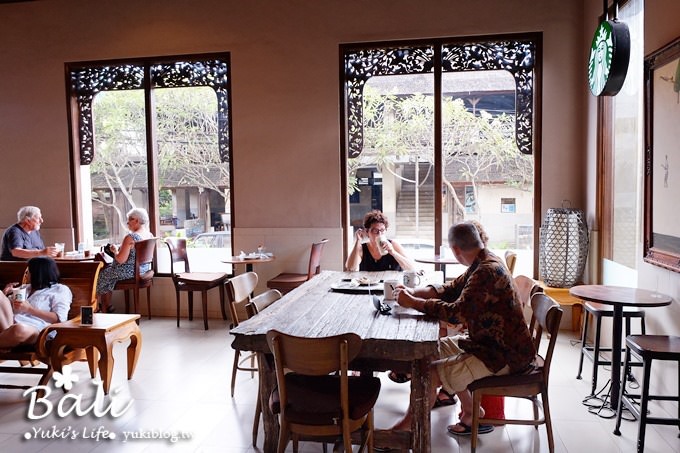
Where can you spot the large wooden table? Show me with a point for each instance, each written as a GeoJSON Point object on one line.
{"type": "Point", "coordinates": [404, 341]}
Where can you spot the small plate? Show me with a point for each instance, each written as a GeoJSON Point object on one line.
{"type": "Point", "coordinates": [346, 286]}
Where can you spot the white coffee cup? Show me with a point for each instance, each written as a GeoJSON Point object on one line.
{"type": "Point", "coordinates": [382, 242]}
{"type": "Point", "coordinates": [19, 293]}
{"type": "Point", "coordinates": [390, 286]}
{"type": "Point", "coordinates": [411, 279]}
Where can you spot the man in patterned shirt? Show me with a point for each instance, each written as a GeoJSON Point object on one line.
{"type": "Point", "coordinates": [485, 299]}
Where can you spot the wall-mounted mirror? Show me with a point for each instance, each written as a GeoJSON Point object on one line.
{"type": "Point", "coordinates": [662, 157]}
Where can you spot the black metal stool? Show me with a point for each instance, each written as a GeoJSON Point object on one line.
{"type": "Point", "coordinates": [648, 348]}
{"type": "Point", "coordinates": [599, 311]}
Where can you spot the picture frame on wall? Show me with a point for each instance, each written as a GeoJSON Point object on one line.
{"type": "Point", "coordinates": [662, 157]}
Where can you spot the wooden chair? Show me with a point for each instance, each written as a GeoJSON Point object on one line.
{"type": "Point", "coordinates": [527, 287]}
{"type": "Point", "coordinates": [144, 253]}
{"type": "Point", "coordinates": [193, 281]}
{"type": "Point", "coordinates": [81, 278]}
{"type": "Point", "coordinates": [593, 351]}
{"type": "Point", "coordinates": [546, 318]}
{"type": "Point", "coordinates": [314, 403]}
{"type": "Point", "coordinates": [256, 305]}
{"type": "Point", "coordinates": [239, 289]}
{"type": "Point", "coordinates": [288, 281]}
{"type": "Point", "coordinates": [510, 260]}
{"type": "Point", "coordinates": [647, 348]}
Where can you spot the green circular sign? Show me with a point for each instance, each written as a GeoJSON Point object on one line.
{"type": "Point", "coordinates": [609, 55]}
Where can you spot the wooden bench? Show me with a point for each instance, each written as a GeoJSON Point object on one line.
{"type": "Point", "coordinates": [81, 278]}
{"type": "Point", "coordinates": [562, 297]}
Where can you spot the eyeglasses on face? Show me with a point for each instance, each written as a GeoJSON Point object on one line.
{"type": "Point", "coordinates": [377, 230]}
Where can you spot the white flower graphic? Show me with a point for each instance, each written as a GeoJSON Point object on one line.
{"type": "Point", "coordinates": [64, 379]}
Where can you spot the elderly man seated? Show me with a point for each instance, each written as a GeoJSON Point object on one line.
{"type": "Point", "coordinates": [22, 240]}
{"type": "Point", "coordinates": [485, 299]}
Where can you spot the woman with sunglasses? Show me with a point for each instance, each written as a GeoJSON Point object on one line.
{"type": "Point", "coordinates": [372, 251]}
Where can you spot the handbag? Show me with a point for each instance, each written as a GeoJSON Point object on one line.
{"type": "Point", "coordinates": [103, 257]}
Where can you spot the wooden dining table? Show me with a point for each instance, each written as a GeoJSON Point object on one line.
{"type": "Point", "coordinates": [619, 297]}
{"type": "Point", "coordinates": [404, 341]}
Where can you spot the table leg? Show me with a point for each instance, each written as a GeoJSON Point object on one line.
{"type": "Point", "coordinates": [617, 322]}
{"type": "Point", "coordinates": [270, 421]}
{"type": "Point", "coordinates": [420, 405]}
{"type": "Point", "coordinates": [133, 351]}
{"type": "Point", "coordinates": [249, 267]}
{"type": "Point", "coordinates": [106, 365]}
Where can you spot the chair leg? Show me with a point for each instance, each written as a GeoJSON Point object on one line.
{"type": "Point", "coordinates": [223, 303]}
{"type": "Point", "coordinates": [596, 353]}
{"type": "Point", "coordinates": [190, 301]}
{"type": "Point", "coordinates": [148, 302]}
{"type": "Point", "coordinates": [177, 299]}
{"type": "Point", "coordinates": [284, 433]}
{"type": "Point", "coordinates": [644, 403]}
{"type": "Point", "coordinates": [204, 303]}
{"type": "Point", "coordinates": [476, 403]}
{"type": "Point", "coordinates": [584, 338]}
{"type": "Point", "coordinates": [127, 301]}
{"type": "Point", "coordinates": [237, 354]}
{"type": "Point", "coordinates": [136, 300]}
{"type": "Point", "coordinates": [548, 422]}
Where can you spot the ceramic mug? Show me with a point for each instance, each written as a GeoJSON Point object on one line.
{"type": "Point", "coordinates": [390, 286]}
{"type": "Point", "coordinates": [411, 279]}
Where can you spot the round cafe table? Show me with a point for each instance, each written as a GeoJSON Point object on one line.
{"type": "Point", "coordinates": [619, 297]}
{"type": "Point", "coordinates": [440, 261]}
{"type": "Point", "coordinates": [248, 261]}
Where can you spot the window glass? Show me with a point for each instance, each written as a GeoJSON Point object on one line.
{"type": "Point", "coordinates": [628, 140]}
{"type": "Point", "coordinates": [182, 177]}
{"type": "Point", "coordinates": [428, 163]}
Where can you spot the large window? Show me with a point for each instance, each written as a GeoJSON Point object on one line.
{"type": "Point", "coordinates": [155, 134]}
{"type": "Point", "coordinates": [440, 131]}
{"type": "Point", "coordinates": [623, 128]}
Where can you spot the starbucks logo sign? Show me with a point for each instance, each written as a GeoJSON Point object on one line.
{"type": "Point", "coordinates": [609, 55]}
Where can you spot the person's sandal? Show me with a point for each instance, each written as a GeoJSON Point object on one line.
{"type": "Point", "coordinates": [445, 398]}
{"type": "Point", "coordinates": [399, 378]}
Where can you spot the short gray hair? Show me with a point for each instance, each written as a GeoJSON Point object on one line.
{"type": "Point", "coordinates": [140, 214]}
{"type": "Point", "coordinates": [465, 236]}
{"type": "Point", "coordinates": [27, 212]}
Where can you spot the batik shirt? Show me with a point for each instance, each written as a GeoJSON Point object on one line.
{"type": "Point", "coordinates": [485, 299]}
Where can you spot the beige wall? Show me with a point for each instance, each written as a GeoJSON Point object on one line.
{"type": "Point", "coordinates": [284, 90]}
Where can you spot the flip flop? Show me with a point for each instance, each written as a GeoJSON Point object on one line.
{"type": "Point", "coordinates": [444, 398]}
{"type": "Point", "coordinates": [467, 430]}
{"type": "Point", "coordinates": [399, 378]}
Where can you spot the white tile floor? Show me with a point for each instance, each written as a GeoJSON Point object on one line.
{"type": "Point", "coordinates": [181, 385]}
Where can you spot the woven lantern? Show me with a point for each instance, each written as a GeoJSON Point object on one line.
{"type": "Point", "coordinates": [563, 247]}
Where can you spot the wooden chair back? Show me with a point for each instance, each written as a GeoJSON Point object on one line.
{"type": "Point", "coordinates": [262, 301]}
{"type": "Point", "coordinates": [313, 356]}
{"type": "Point", "coordinates": [309, 362]}
{"type": "Point", "coordinates": [178, 253]}
{"type": "Point", "coordinates": [545, 319]}
{"type": "Point", "coordinates": [526, 287]}
{"type": "Point", "coordinates": [144, 254]}
{"type": "Point", "coordinates": [81, 278]}
{"type": "Point", "coordinates": [510, 260]}
{"type": "Point", "coordinates": [239, 289]}
{"type": "Point", "coordinates": [315, 258]}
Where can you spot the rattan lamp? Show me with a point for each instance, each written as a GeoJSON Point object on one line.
{"type": "Point", "coordinates": [563, 247]}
